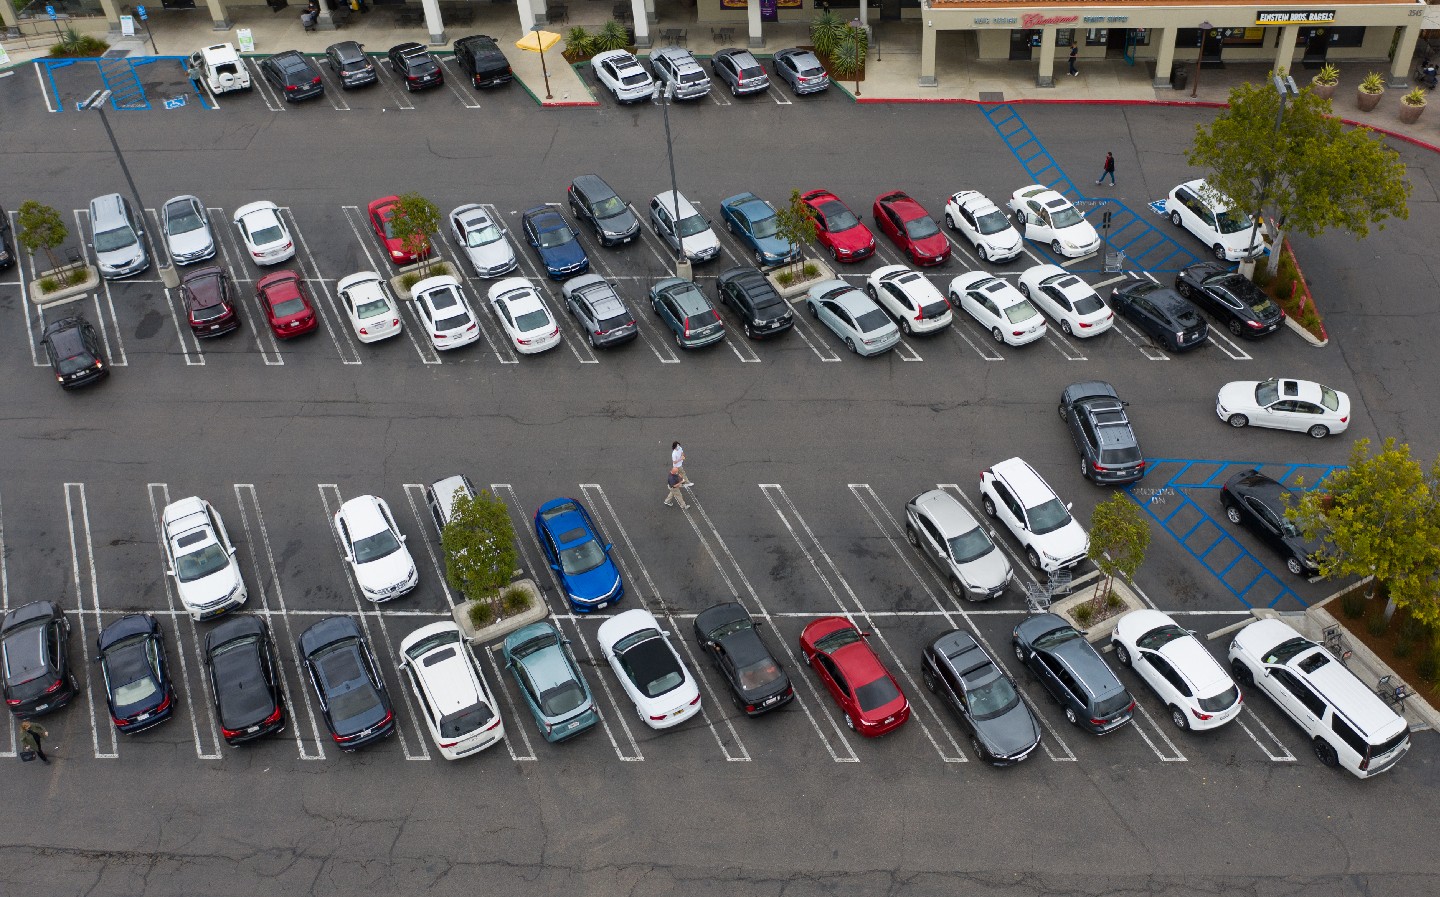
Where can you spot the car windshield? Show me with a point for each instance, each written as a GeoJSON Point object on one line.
{"type": "Point", "coordinates": [872, 320]}
{"type": "Point", "coordinates": [695, 224]}
{"type": "Point", "coordinates": [692, 76]}
{"type": "Point", "coordinates": [1266, 392]}
{"type": "Point", "coordinates": [127, 669]}
{"type": "Point", "coordinates": [207, 312]}
{"type": "Point", "coordinates": [1056, 637]}
{"type": "Point", "coordinates": [200, 564]}
{"type": "Point", "coordinates": [562, 699]}
{"type": "Point", "coordinates": [920, 228]}
{"type": "Point", "coordinates": [765, 227]}
{"type": "Point", "coordinates": [482, 236]}
{"type": "Point", "coordinates": [1223, 701]}
{"type": "Point", "coordinates": [1288, 649]}
{"type": "Point", "coordinates": [375, 547]}
{"type": "Point", "coordinates": [649, 663]}
{"type": "Point", "coordinates": [271, 234]}
{"type": "Point", "coordinates": [113, 240]}
{"type": "Point", "coordinates": [559, 237]}
{"type": "Point", "coordinates": [289, 307]}
{"type": "Point", "coordinates": [1160, 636]}
{"type": "Point", "coordinates": [373, 308]}
{"type": "Point", "coordinates": [582, 558]}
{"type": "Point", "coordinates": [1047, 517]}
{"type": "Point", "coordinates": [993, 698]}
{"type": "Point", "coordinates": [1068, 216]}
{"type": "Point", "coordinates": [874, 695]}
{"type": "Point", "coordinates": [355, 65]}
{"type": "Point", "coordinates": [992, 222]}
{"type": "Point", "coordinates": [612, 205]}
{"type": "Point", "coordinates": [970, 546]}
{"type": "Point", "coordinates": [615, 323]}
{"type": "Point", "coordinates": [1113, 704]}
{"type": "Point", "coordinates": [758, 674]}
{"type": "Point", "coordinates": [353, 703]}
{"type": "Point", "coordinates": [1232, 221]}
{"type": "Point", "coordinates": [1119, 457]}
{"type": "Point", "coordinates": [183, 219]}
{"type": "Point", "coordinates": [1020, 312]}
{"type": "Point", "coordinates": [1329, 398]}
{"type": "Point", "coordinates": [462, 722]}
{"type": "Point", "coordinates": [838, 639]}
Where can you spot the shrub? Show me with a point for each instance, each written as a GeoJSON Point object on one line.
{"type": "Point", "coordinates": [76, 277]}
{"type": "Point", "coordinates": [1329, 74]}
{"type": "Point", "coordinates": [1415, 97]}
{"type": "Point", "coordinates": [514, 600]}
{"type": "Point", "coordinates": [1084, 613]}
{"type": "Point", "coordinates": [1377, 624]}
{"type": "Point", "coordinates": [785, 278]}
{"type": "Point", "coordinates": [1404, 644]}
{"type": "Point", "coordinates": [481, 614]}
{"type": "Point", "coordinates": [73, 44]}
{"type": "Point", "coordinates": [49, 284]}
{"type": "Point", "coordinates": [826, 31]}
{"type": "Point", "coordinates": [612, 36]}
{"type": "Point", "coordinates": [579, 42]}
{"type": "Point", "coordinates": [811, 270]}
{"type": "Point", "coordinates": [1373, 83]}
{"type": "Point", "coordinates": [1428, 666]}
{"type": "Point", "coordinates": [409, 279]}
{"type": "Point", "coordinates": [1352, 603]}
{"type": "Point", "coordinates": [1114, 601]}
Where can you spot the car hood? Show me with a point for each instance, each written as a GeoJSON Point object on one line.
{"type": "Point", "coordinates": [566, 254]}
{"type": "Point", "coordinates": [190, 241]}
{"type": "Point", "coordinates": [593, 583]}
{"type": "Point", "coordinates": [491, 255]}
{"type": "Point", "coordinates": [383, 573]}
{"type": "Point", "coordinates": [119, 258]}
{"type": "Point", "coordinates": [1067, 541]}
{"type": "Point", "coordinates": [1082, 234]}
{"type": "Point", "coordinates": [774, 245]}
{"type": "Point", "coordinates": [1238, 395]}
{"type": "Point", "coordinates": [620, 223]}
{"type": "Point", "coordinates": [209, 589]}
{"type": "Point", "coordinates": [1005, 239]}
{"type": "Point", "coordinates": [989, 571]}
{"type": "Point", "coordinates": [1012, 732]}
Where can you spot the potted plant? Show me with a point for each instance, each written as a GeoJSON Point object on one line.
{"type": "Point", "coordinates": [826, 31]}
{"type": "Point", "coordinates": [1370, 91]}
{"type": "Point", "coordinates": [1325, 82]}
{"type": "Point", "coordinates": [1411, 105]}
{"type": "Point", "coordinates": [579, 45]}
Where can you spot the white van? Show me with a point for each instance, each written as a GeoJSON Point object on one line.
{"type": "Point", "coordinates": [1213, 217]}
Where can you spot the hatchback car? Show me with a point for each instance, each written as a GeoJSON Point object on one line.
{"type": "Point", "coordinates": [370, 306]}
{"type": "Point", "coordinates": [983, 223]}
{"type": "Point", "coordinates": [754, 222]}
{"type": "Point", "coordinates": [837, 228]}
{"type": "Point", "coordinates": [573, 549]}
{"type": "Point", "coordinates": [739, 70]}
{"type": "Point", "coordinates": [1194, 686]}
{"type": "Point", "coordinates": [602, 314]}
{"type": "Point", "coordinates": [1012, 491]}
{"type": "Point", "coordinates": [861, 325]}
{"type": "Point", "coordinates": [415, 66]}
{"type": "Point", "coordinates": [374, 547]}
{"type": "Point", "coordinates": [554, 242]}
{"type": "Point", "coordinates": [448, 317]}
{"type": "Point", "coordinates": [649, 668]}
{"type": "Point", "coordinates": [911, 228]}
{"type": "Point", "coordinates": [909, 298]}
{"type": "Point", "coordinates": [186, 228]}
{"type": "Point", "coordinates": [1261, 505]}
{"type": "Point", "coordinates": [801, 70]}
{"type": "Point", "coordinates": [456, 704]}
{"type": "Point", "coordinates": [266, 237]}
{"type": "Point", "coordinates": [1002, 729]}
{"type": "Point", "coordinates": [1215, 219]}
{"type": "Point", "coordinates": [35, 644]}
{"type": "Point", "coordinates": [483, 241]}
{"type": "Point", "coordinates": [730, 636]}
{"type": "Point", "coordinates": [1073, 672]}
{"type": "Point", "coordinates": [1109, 452]}
{"type": "Point", "coordinates": [479, 56]}
{"type": "Point", "coordinates": [244, 679]}
{"type": "Point", "coordinates": [119, 237]}
{"type": "Point", "coordinates": [350, 64]}
{"type": "Point", "coordinates": [210, 302]}
{"type": "Point", "coordinates": [950, 537]}
{"type": "Point", "coordinates": [381, 211]}
{"type": "Point", "coordinates": [1069, 301]}
{"type": "Point", "coordinates": [293, 75]}
{"type": "Point", "coordinates": [683, 227]}
{"type": "Point", "coordinates": [868, 695]}
{"type": "Point", "coordinates": [677, 66]}
{"type": "Point", "coordinates": [1231, 298]}
{"type": "Point", "coordinates": [998, 307]}
{"type": "Point", "coordinates": [688, 314]}
{"type": "Point", "coordinates": [1050, 219]}
{"type": "Point", "coordinates": [72, 345]}
{"type": "Point", "coordinates": [594, 201]}
{"type": "Point", "coordinates": [138, 690]}
{"type": "Point", "coordinates": [346, 678]}
{"type": "Point", "coordinates": [201, 557]}
{"type": "Point", "coordinates": [1303, 406]}
{"type": "Point", "coordinates": [750, 295]}
{"type": "Point", "coordinates": [287, 305]}
{"type": "Point", "coordinates": [524, 316]}
{"type": "Point", "coordinates": [1162, 314]}
{"type": "Point", "coordinates": [550, 681]}
{"type": "Point", "coordinates": [619, 72]}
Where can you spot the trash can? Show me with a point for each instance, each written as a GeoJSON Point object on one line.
{"type": "Point", "coordinates": [1179, 77]}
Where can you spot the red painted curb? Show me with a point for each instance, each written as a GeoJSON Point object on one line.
{"type": "Point", "coordinates": [1032, 102]}
{"type": "Point", "coordinates": [567, 104]}
{"type": "Point", "coordinates": [1398, 136]}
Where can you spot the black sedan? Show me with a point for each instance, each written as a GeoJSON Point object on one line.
{"type": "Point", "coordinates": [1074, 673]}
{"type": "Point", "coordinates": [245, 679]}
{"type": "Point", "coordinates": [1161, 313]}
{"type": "Point", "coordinates": [347, 681]}
{"type": "Point", "coordinates": [1237, 303]}
{"type": "Point", "coordinates": [73, 346]}
{"type": "Point", "coordinates": [1002, 728]}
{"type": "Point", "coordinates": [1258, 503]}
{"type": "Point", "coordinates": [728, 634]}
{"type": "Point", "coordinates": [295, 77]}
{"type": "Point", "coordinates": [34, 639]}
{"type": "Point", "coordinates": [137, 676]}
{"type": "Point", "coordinates": [1109, 452]}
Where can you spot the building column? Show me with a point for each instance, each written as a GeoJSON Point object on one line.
{"type": "Point", "coordinates": [433, 23]}
{"type": "Point", "coordinates": [112, 16]}
{"type": "Point", "coordinates": [1285, 49]}
{"type": "Point", "coordinates": [1046, 75]}
{"type": "Point", "coordinates": [865, 14]}
{"type": "Point", "coordinates": [1404, 52]}
{"type": "Point", "coordinates": [752, 18]}
{"type": "Point", "coordinates": [528, 18]}
{"type": "Point", "coordinates": [324, 21]}
{"type": "Point", "coordinates": [1165, 54]}
{"type": "Point", "coordinates": [7, 16]}
{"type": "Point", "coordinates": [642, 23]}
{"type": "Point", "coordinates": [927, 55]}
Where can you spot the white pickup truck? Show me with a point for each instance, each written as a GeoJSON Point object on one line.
{"type": "Point", "coordinates": [221, 68]}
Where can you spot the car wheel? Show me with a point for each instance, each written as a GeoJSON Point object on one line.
{"type": "Point", "coordinates": [1237, 421]}
{"type": "Point", "coordinates": [814, 312]}
{"type": "Point", "coordinates": [1219, 252]}
{"type": "Point", "coordinates": [1084, 468]}
{"type": "Point", "coordinates": [593, 344]}
{"type": "Point", "coordinates": [1122, 654]}
{"type": "Point", "coordinates": [1019, 217]}
{"type": "Point", "coordinates": [988, 505]}
{"type": "Point", "coordinates": [995, 332]}
{"type": "Point", "coordinates": [759, 259]}
{"type": "Point", "coordinates": [1235, 328]}
{"type": "Point", "coordinates": [850, 344]}
{"type": "Point", "coordinates": [928, 678]}
{"type": "Point", "coordinates": [1032, 557]}
{"type": "Point", "coordinates": [1065, 326]}
{"type": "Point", "coordinates": [1326, 753]}
{"type": "Point", "coordinates": [749, 331]}
{"type": "Point", "coordinates": [1241, 672]}
{"type": "Point", "coordinates": [849, 722]}
{"type": "Point", "coordinates": [980, 753]}
{"type": "Point", "coordinates": [1025, 290]}
{"type": "Point", "coordinates": [1294, 566]}
{"type": "Point", "coordinates": [950, 221]}
{"type": "Point", "coordinates": [911, 536]}
{"type": "Point", "coordinates": [679, 341]}
{"type": "Point", "coordinates": [1175, 219]}
{"type": "Point", "coordinates": [1318, 432]}
{"type": "Point", "coordinates": [1070, 717]}
{"type": "Point", "coordinates": [905, 326]}
{"type": "Point", "coordinates": [1055, 247]}
{"type": "Point", "coordinates": [1184, 289]}
{"type": "Point", "coordinates": [730, 225]}
{"type": "Point", "coordinates": [1019, 652]}
{"type": "Point", "coordinates": [1232, 513]}
{"type": "Point", "coordinates": [957, 590]}
{"type": "Point", "coordinates": [1179, 718]}
{"type": "Point", "coordinates": [982, 252]}
{"type": "Point", "coordinates": [835, 254]}
{"type": "Point", "coordinates": [870, 291]}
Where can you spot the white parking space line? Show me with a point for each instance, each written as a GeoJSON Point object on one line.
{"type": "Point", "coordinates": [957, 327]}
{"type": "Point", "coordinates": [115, 354]}
{"type": "Point", "coordinates": [1174, 755]}
{"type": "Point", "coordinates": [1284, 755]}
{"type": "Point", "coordinates": [1062, 344]}
{"type": "Point", "coordinates": [331, 499]}
{"type": "Point", "coordinates": [774, 92]}
{"type": "Point", "coordinates": [536, 562]}
{"type": "Point", "coordinates": [340, 336]}
{"type": "Point", "coordinates": [1075, 261]}
{"type": "Point", "coordinates": [11, 732]}
{"type": "Point", "coordinates": [462, 95]}
{"type": "Point", "coordinates": [1017, 563]}
{"type": "Point", "coordinates": [575, 338]}
{"type": "Point", "coordinates": [1105, 283]}
{"type": "Point", "coordinates": [257, 78]}
{"type": "Point", "coordinates": [890, 527]}
{"type": "Point", "coordinates": [182, 328]}
{"type": "Point", "coordinates": [906, 351]}
{"type": "Point", "coordinates": [518, 722]}
{"type": "Point", "coordinates": [334, 92]}
{"type": "Point", "coordinates": [45, 91]}
{"type": "Point", "coordinates": [249, 503]}
{"type": "Point", "coordinates": [504, 352]}
{"type": "Point", "coordinates": [958, 248]}
{"type": "Point", "coordinates": [1228, 346]}
{"type": "Point", "coordinates": [592, 491]}
{"type": "Point", "coordinates": [415, 497]}
{"type": "Point", "coordinates": [808, 329]}
{"type": "Point", "coordinates": [77, 517]}
{"type": "Point", "coordinates": [26, 305]}
{"type": "Point", "coordinates": [426, 350]}
{"type": "Point", "coordinates": [1139, 340]}
{"type": "Point", "coordinates": [775, 494]}
{"type": "Point", "coordinates": [393, 85]}
{"type": "Point", "coordinates": [254, 318]}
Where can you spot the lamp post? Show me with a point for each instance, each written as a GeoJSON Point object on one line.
{"type": "Point", "coordinates": [1285, 87]}
{"type": "Point", "coordinates": [543, 70]}
{"type": "Point", "coordinates": [682, 264]}
{"type": "Point", "coordinates": [1199, 57]}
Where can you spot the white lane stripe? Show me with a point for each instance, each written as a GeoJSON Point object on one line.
{"type": "Point", "coordinates": [520, 717]}
{"type": "Point", "coordinates": [1135, 724]}
{"type": "Point", "coordinates": [570, 330]}
{"type": "Point", "coordinates": [45, 91]}
{"type": "Point", "coordinates": [345, 342]}
{"type": "Point", "coordinates": [183, 333]}
{"type": "Point", "coordinates": [75, 500]}
{"type": "Point", "coordinates": [412, 490]}
{"type": "Point", "coordinates": [257, 78]}
{"type": "Point", "coordinates": [12, 733]}
{"type": "Point", "coordinates": [25, 306]}
{"type": "Point", "coordinates": [427, 352]}
{"type": "Point", "coordinates": [1284, 756]}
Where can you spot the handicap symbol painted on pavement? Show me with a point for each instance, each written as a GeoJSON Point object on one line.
{"type": "Point", "coordinates": [1158, 207]}
{"type": "Point", "coordinates": [174, 102]}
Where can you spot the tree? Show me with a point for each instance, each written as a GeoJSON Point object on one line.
{"type": "Point", "coordinates": [1380, 517]}
{"type": "Point", "coordinates": [848, 60]}
{"type": "Point", "coordinates": [826, 31]}
{"type": "Point", "coordinates": [412, 221]}
{"type": "Point", "coordinates": [41, 227]}
{"type": "Point", "coordinates": [1312, 171]}
{"type": "Point", "coordinates": [479, 544]}
{"type": "Point", "coordinates": [1119, 537]}
{"type": "Point", "coordinates": [794, 222]}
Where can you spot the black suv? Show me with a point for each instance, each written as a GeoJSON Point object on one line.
{"type": "Point", "coordinates": [594, 201]}
{"type": "Point", "coordinates": [762, 312]}
{"type": "Point", "coordinates": [1258, 503]}
{"type": "Point", "coordinates": [413, 63]}
{"type": "Point", "coordinates": [245, 679]}
{"type": "Point", "coordinates": [1002, 728]}
{"type": "Point", "coordinates": [294, 76]}
{"type": "Point", "coordinates": [1100, 429]}
{"type": "Point", "coordinates": [351, 66]}
{"type": "Point", "coordinates": [347, 681]}
{"type": "Point", "coordinates": [34, 639]}
{"type": "Point", "coordinates": [1234, 301]}
{"type": "Point", "coordinates": [1163, 314]}
{"type": "Point", "coordinates": [73, 347]}
{"type": "Point", "coordinates": [482, 61]}
{"type": "Point", "coordinates": [1073, 672]}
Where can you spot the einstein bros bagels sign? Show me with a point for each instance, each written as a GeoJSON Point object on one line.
{"type": "Point", "coordinates": [1296, 17]}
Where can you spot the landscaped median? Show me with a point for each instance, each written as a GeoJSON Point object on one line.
{"type": "Point", "coordinates": [1291, 292]}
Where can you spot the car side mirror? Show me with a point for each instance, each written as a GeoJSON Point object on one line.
{"type": "Point", "coordinates": [232, 550]}
{"type": "Point", "coordinates": [665, 632]}
{"type": "Point", "coordinates": [403, 537]}
{"type": "Point", "coordinates": [608, 546]}
{"type": "Point", "coordinates": [757, 623]}
{"type": "Point", "coordinates": [1069, 505]}
{"type": "Point", "coordinates": [864, 633]}
{"type": "Point", "coordinates": [169, 571]}
{"type": "Point", "coordinates": [555, 567]}
{"type": "Point", "coordinates": [1265, 672]}
{"type": "Point", "coordinates": [565, 641]}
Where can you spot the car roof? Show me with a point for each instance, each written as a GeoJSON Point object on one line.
{"type": "Point", "coordinates": [65, 334]}
{"type": "Point", "coordinates": [280, 285]}
{"type": "Point", "coordinates": [25, 613]}
{"type": "Point", "coordinates": [451, 680]}
{"type": "Point", "coordinates": [686, 295]}
{"type": "Point", "coordinates": [347, 50]}
{"type": "Point", "coordinates": [747, 278]}
{"type": "Point", "coordinates": [1022, 479]}
{"type": "Point", "coordinates": [544, 218]}
{"type": "Point", "coordinates": [741, 55]}
{"type": "Point", "coordinates": [949, 515]}
{"type": "Point", "coordinates": [363, 516]}
{"type": "Point", "coordinates": [975, 201]}
{"type": "Point", "coordinates": [327, 632]}
{"type": "Point", "coordinates": [902, 202]}
{"type": "Point", "coordinates": [593, 186]}
{"type": "Point", "coordinates": [680, 57]}
{"type": "Point", "coordinates": [667, 202]}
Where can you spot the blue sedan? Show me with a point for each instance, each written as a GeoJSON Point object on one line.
{"type": "Point", "coordinates": [574, 550]}
{"type": "Point", "coordinates": [753, 220]}
{"type": "Point", "coordinates": [549, 234]}
{"type": "Point", "coordinates": [551, 682]}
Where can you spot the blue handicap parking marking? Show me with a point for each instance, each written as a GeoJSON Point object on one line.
{"type": "Point", "coordinates": [174, 102]}
{"type": "Point", "coordinates": [1158, 206]}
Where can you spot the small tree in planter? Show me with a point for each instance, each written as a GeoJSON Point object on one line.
{"type": "Point", "coordinates": [1370, 91]}
{"type": "Point", "coordinates": [1325, 82]}
{"type": "Point", "coordinates": [479, 545]}
{"type": "Point", "coordinates": [1411, 105]}
{"type": "Point", "coordinates": [826, 32]}
{"type": "Point", "coordinates": [579, 45]}
{"type": "Point", "coordinates": [1119, 537]}
{"type": "Point", "coordinates": [794, 222]}
{"type": "Point", "coordinates": [41, 228]}
{"type": "Point", "coordinates": [612, 36]}
{"type": "Point", "coordinates": [412, 222]}
{"type": "Point", "coordinates": [848, 60]}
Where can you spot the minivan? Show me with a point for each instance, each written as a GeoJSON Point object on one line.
{"type": "Point", "coordinates": [119, 239]}
{"type": "Point", "coordinates": [1214, 218]}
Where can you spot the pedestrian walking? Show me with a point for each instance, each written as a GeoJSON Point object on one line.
{"type": "Point", "coordinates": [1109, 169]}
{"type": "Point", "coordinates": [31, 736]}
{"type": "Point", "coordinates": [1074, 55]}
{"type": "Point", "coordinates": [677, 461]}
{"type": "Point", "coordinates": [674, 495]}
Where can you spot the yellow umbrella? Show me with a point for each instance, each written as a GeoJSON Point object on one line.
{"type": "Point", "coordinates": [538, 41]}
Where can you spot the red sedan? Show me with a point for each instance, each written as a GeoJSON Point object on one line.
{"type": "Point", "coordinates": [381, 211]}
{"type": "Point", "coordinates": [907, 223]}
{"type": "Point", "coordinates": [859, 682]}
{"type": "Point", "coordinates": [837, 228]}
{"type": "Point", "coordinates": [286, 303]}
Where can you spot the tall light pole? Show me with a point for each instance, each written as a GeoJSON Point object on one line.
{"type": "Point", "coordinates": [99, 100]}
{"type": "Point", "coordinates": [682, 264]}
{"type": "Point", "coordinates": [1199, 57]}
{"type": "Point", "coordinates": [1285, 87]}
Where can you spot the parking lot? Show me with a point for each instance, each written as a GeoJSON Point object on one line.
{"type": "Point", "coordinates": [803, 456]}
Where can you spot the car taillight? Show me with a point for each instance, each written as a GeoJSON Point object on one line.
{"type": "Point", "coordinates": [1344, 419]}
{"type": "Point", "coordinates": [1084, 324]}
{"type": "Point", "coordinates": [1097, 722]}
{"type": "Point", "coordinates": [920, 314]}
{"type": "Point", "coordinates": [13, 701]}
{"type": "Point", "coordinates": [1199, 715]}
{"type": "Point", "coordinates": [364, 332]}
{"type": "Point", "coordinates": [55, 687]}
{"type": "Point", "coordinates": [696, 701]}
{"type": "Point", "coordinates": [230, 733]}
{"type": "Point", "coordinates": [395, 322]}
{"type": "Point", "coordinates": [290, 87]}
{"type": "Point", "coordinates": [448, 744]}
{"type": "Point", "coordinates": [316, 80]}
{"type": "Point", "coordinates": [164, 705]}
{"type": "Point", "coordinates": [1098, 468]}
{"type": "Point", "coordinates": [438, 335]}
{"type": "Point", "coordinates": [493, 725]}
{"type": "Point", "coordinates": [472, 327]}
{"type": "Point", "coordinates": [273, 718]}
{"type": "Point", "coordinates": [658, 718]}
{"type": "Point", "coordinates": [289, 244]}
{"type": "Point", "coordinates": [1255, 325]}
{"type": "Point", "coordinates": [1017, 333]}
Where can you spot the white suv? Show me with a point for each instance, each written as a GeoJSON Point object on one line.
{"type": "Point", "coordinates": [222, 68]}
{"type": "Point", "coordinates": [375, 548]}
{"type": "Point", "coordinates": [202, 558]}
{"type": "Point", "coordinates": [1194, 686]}
{"type": "Point", "coordinates": [623, 75]}
{"type": "Point", "coordinates": [458, 709]}
{"type": "Point", "coordinates": [1012, 491]}
{"type": "Point", "coordinates": [1347, 723]}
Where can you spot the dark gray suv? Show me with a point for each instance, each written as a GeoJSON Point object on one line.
{"type": "Point", "coordinates": [1109, 452]}
{"type": "Point", "coordinates": [1002, 728]}
{"type": "Point", "coordinates": [762, 312]}
{"type": "Point", "coordinates": [1073, 672]}
{"type": "Point", "coordinates": [600, 310]}
{"type": "Point", "coordinates": [597, 203]}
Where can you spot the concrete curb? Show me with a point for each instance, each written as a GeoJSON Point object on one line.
{"type": "Point", "coordinates": [68, 294]}
{"type": "Point", "coordinates": [536, 612]}
{"type": "Point", "coordinates": [1099, 631]}
{"type": "Point", "coordinates": [1306, 335]}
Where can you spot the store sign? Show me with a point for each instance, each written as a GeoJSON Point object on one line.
{"type": "Point", "coordinates": [1296, 17]}
{"type": "Point", "coordinates": [1036, 20]}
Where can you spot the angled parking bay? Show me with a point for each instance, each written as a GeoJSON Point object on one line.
{"type": "Point", "coordinates": [322, 298]}
{"type": "Point", "coordinates": [233, 257]}
{"type": "Point", "coordinates": [86, 618]}
{"type": "Point", "coordinates": [413, 327]}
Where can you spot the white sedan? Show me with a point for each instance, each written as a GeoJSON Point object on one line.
{"type": "Point", "coordinates": [1074, 305]}
{"type": "Point", "coordinates": [998, 307]}
{"type": "Point", "coordinates": [483, 241]}
{"type": "Point", "coordinates": [1047, 217]}
{"type": "Point", "coordinates": [982, 223]}
{"type": "Point", "coordinates": [266, 237]}
{"type": "Point", "coordinates": [448, 317]}
{"type": "Point", "coordinates": [369, 306]}
{"type": "Point", "coordinates": [648, 667]}
{"type": "Point", "coordinates": [1196, 689]}
{"type": "Point", "coordinates": [1300, 405]}
{"type": "Point", "coordinates": [375, 548]}
{"type": "Point", "coordinates": [524, 316]}
{"type": "Point", "coordinates": [910, 298]}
